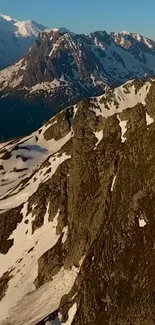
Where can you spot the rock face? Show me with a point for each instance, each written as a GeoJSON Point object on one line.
{"type": "Point", "coordinates": [77, 201]}
{"type": "Point", "coordinates": [62, 68]}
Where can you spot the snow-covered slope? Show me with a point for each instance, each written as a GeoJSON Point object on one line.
{"type": "Point", "coordinates": [43, 241]}
{"type": "Point", "coordinates": [25, 165]}
{"type": "Point", "coordinates": [16, 37]}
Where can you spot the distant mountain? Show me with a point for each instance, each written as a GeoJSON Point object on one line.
{"type": "Point", "coordinates": [62, 68]}
{"type": "Point", "coordinates": [77, 215]}
{"type": "Point", "coordinates": [16, 37]}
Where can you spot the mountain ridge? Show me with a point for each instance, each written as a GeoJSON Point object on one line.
{"type": "Point", "coordinates": [61, 68]}
{"type": "Point", "coordinates": [77, 192]}
{"type": "Point", "coordinates": [30, 28]}
{"type": "Point", "coordinates": [61, 190]}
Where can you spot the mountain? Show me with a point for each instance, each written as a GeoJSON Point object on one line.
{"type": "Point", "coordinates": [16, 37]}
{"type": "Point", "coordinates": [61, 68]}
{"type": "Point", "coordinates": [132, 40]}
{"type": "Point", "coordinates": [77, 225]}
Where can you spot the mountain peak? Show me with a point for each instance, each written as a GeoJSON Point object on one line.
{"type": "Point", "coordinates": [62, 30]}
{"type": "Point", "coordinates": [125, 32]}
{"type": "Point", "coordinates": [21, 28]}
{"type": "Point", "coordinates": [127, 39]}
{"type": "Point", "coordinates": [8, 18]}
{"type": "Point", "coordinates": [17, 36]}
{"type": "Point", "coordinates": [135, 35]}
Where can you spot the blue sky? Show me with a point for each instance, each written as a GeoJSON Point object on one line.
{"type": "Point", "coordinates": [86, 15]}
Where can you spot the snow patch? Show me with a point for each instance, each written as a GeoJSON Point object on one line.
{"type": "Point", "coordinates": [46, 86]}
{"type": "Point", "coordinates": [125, 32]}
{"type": "Point", "coordinates": [42, 302]}
{"type": "Point", "coordinates": [71, 313]}
{"type": "Point", "coordinates": [147, 42]}
{"type": "Point", "coordinates": [113, 183]}
{"type": "Point", "coordinates": [25, 272]}
{"type": "Point", "coordinates": [138, 37]}
{"type": "Point", "coordinates": [149, 119]}
{"type": "Point", "coordinates": [119, 99]}
{"type": "Point", "coordinates": [54, 48]}
{"type": "Point", "coordinates": [65, 233]}
{"type": "Point", "coordinates": [32, 186]}
{"type": "Point", "coordinates": [99, 136]}
{"type": "Point", "coordinates": [75, 111]}
{"type": "Point", "coordinates": [9, 76]}
{"type": "Point", "coordinates": [7, 18]}
{"type": "Point", "coordinates": [16, 170]}
{"type": "Point", "coordinates": [123, 125]}
{"type": "Point", "coordinates": [142, 223]}
{"type": "Point", "coordinates": [60, 29]}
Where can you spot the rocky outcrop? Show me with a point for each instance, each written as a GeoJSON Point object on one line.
{"type": "Point", "coordinates": [8, 223]}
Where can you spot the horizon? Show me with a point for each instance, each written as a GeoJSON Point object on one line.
{"type": "Point", "coordinates": [65, 27]}
{"type": "Point", "coordinates": [93, 16]}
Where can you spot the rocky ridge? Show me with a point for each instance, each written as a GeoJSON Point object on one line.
{"type": "Point", "coordinates": [79, 195]}
{"type": "Point", "coordinates": [61, 68]}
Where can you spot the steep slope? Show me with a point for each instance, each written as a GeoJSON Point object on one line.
{"type": "Point", "coordinates": [16, 37]}
{"type": "Point", "coordinates": [77, 215]}
{"type": "Point", "coordinates": [62, 68]}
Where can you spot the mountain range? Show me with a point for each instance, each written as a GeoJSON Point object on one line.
{"type": "Point", "coordinates": [77, 226]}
{"type": "Point", "coordinates": [62, 67]}
{"type": "Point", "coordinates": [77, 177]}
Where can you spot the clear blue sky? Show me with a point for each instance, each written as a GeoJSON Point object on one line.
{"type": "Point", "coordinates": [86, 15]}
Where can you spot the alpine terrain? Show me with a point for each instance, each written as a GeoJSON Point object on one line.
{"type": "Point", "coordinates": [77, 204]}
{"type": "Point", "coordinates": [62, 68]}
{"type": "Point", "coordinates": [16, 37]}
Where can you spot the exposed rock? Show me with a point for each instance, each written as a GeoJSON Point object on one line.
{"type": "Point", "coordinates": [50, 263]}
{"type": "Point", "coordinates": [8, 222]}
{"type": "Point", "coordinates": [4, 284]}
{"type": "Point", "coordinates": [89, 229]}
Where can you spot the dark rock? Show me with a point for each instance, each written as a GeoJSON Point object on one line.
{"type": "Point", "coordinates": [8, 223]}
{"type": "Point", "coordinates": [4, 284]}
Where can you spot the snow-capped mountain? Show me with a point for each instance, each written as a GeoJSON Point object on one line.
{"type": "Point", "coordinates": [77, 225]}
{"type": "Point", "coordinates": [62, 68]}
{"type": "Point", "coordinates": [16, 37]}
{"type": "Point", "coordinates": [132, 40]}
